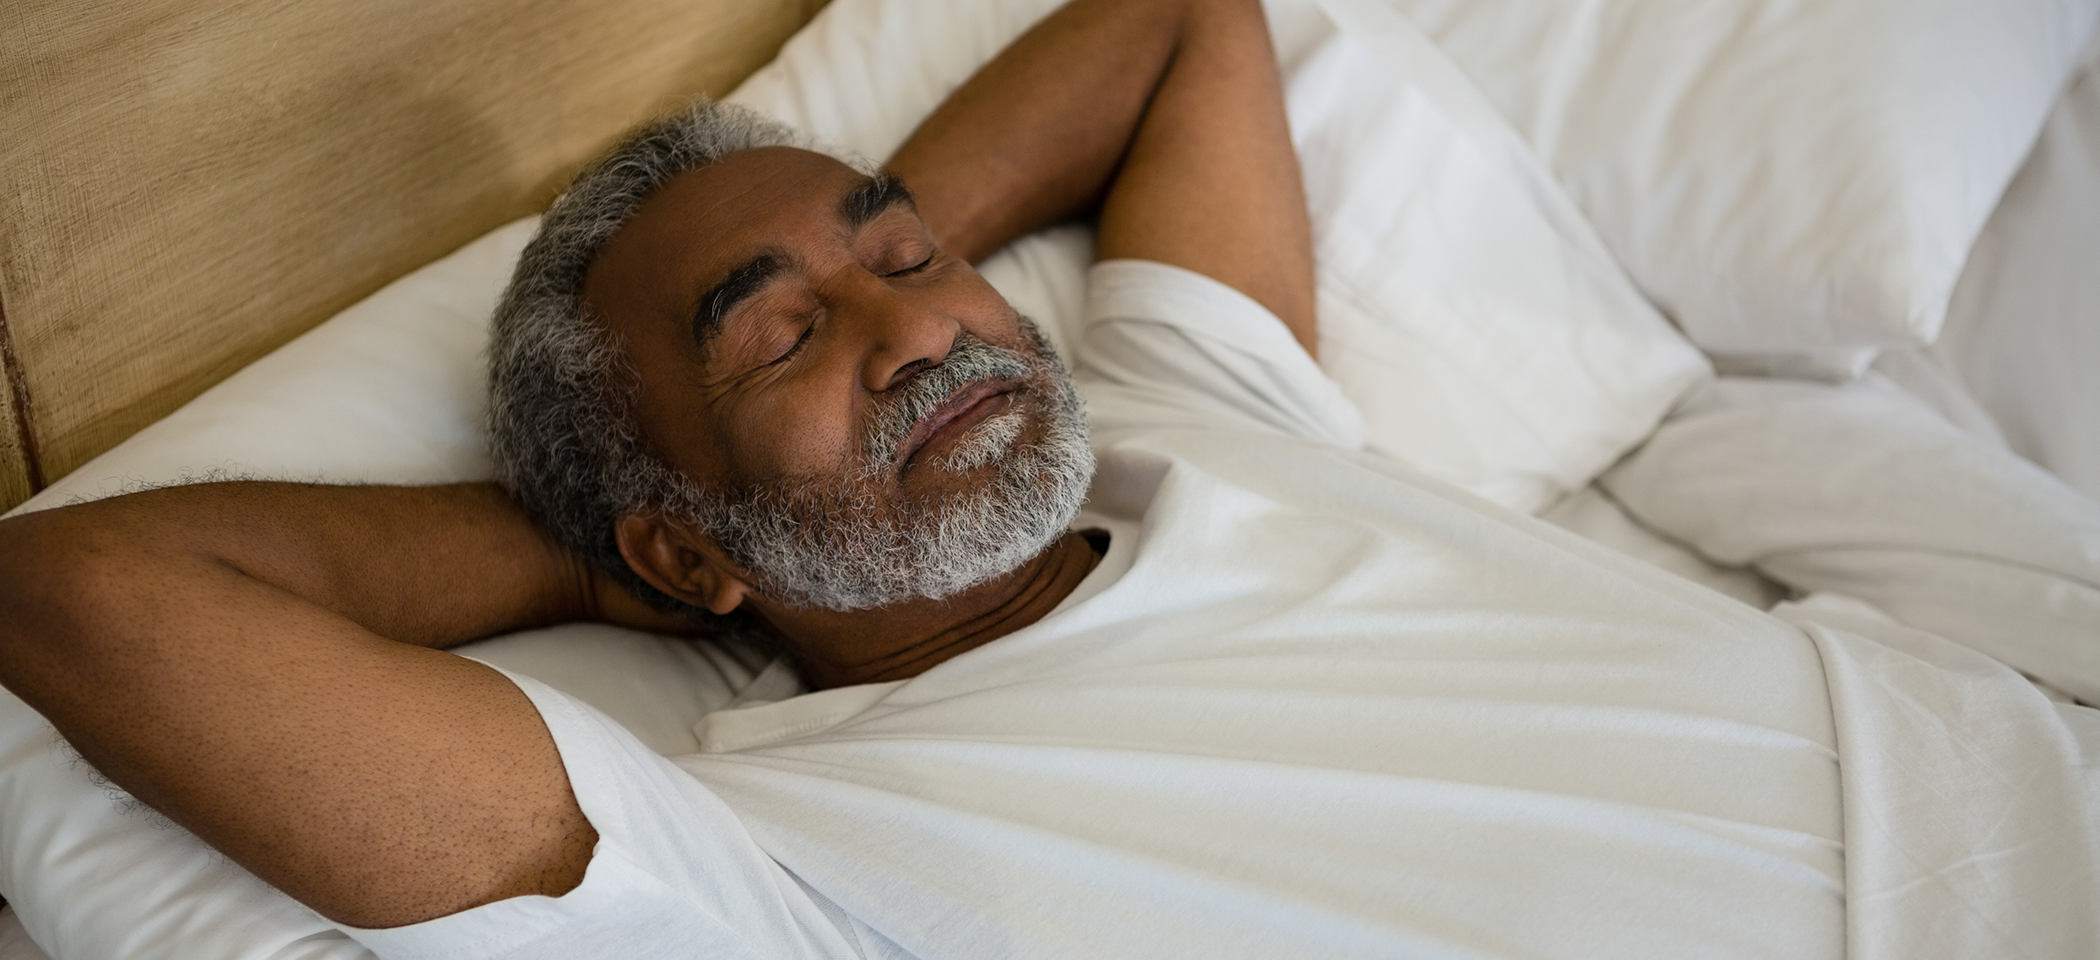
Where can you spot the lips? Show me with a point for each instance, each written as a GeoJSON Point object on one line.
{"type": "Point", "coordinates": [969, 407]}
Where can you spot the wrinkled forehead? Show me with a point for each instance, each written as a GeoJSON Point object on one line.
{"type": "Point", "coordinates": [707, 219]}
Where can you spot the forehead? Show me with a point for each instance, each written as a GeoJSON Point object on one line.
{"type": "Point", "coordinates": [703, 221]}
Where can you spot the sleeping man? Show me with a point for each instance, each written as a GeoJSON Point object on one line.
{"type": "Point", "coordinates": [1150, 661]}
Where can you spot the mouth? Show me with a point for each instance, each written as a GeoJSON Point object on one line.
{"type": "Point", "coordinates": [947, 423]}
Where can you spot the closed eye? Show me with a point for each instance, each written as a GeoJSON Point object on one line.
{"type": "Point", "coordinates": [808, 330]}
{"type": "Point", "coordinates": [914, 268]}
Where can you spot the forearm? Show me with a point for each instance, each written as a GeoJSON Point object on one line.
{"type": "Point", "coordinates": [227, 653]}
{"type": "Point", "coordinates": [429, 566]}
{"type": "Point", "coordinates": [1035, 136]}
{"type": "Point", "coordinates": [1164, 117]}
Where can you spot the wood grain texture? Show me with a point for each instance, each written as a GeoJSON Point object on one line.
{"type": "Point", "coordinates": [17, 466]}
{"type": "Point", "coordinates": [185, 185]}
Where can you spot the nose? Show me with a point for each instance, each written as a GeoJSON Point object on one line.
{"type": "Point", "coordinates": [900, 335]}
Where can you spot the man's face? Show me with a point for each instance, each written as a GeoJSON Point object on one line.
{"type": "Point", "coordinates": [808, 356]}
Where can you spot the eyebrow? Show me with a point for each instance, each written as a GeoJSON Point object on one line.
{"type": "Point", "coordinates": [874, 195]}
{"type": "Point", "coordinates": [860, 205]}
{"type": "Point", "coordinates": [748, 278]}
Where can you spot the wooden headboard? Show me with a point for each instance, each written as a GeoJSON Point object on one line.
{"type": "Point", "coordinates": [187, 184]}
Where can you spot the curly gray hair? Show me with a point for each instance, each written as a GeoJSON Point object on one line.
{"type": "Point", "coordinates": [561, 392]}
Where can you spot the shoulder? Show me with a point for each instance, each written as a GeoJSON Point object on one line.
{"type": "Point", "coordinates": [1162, 346]}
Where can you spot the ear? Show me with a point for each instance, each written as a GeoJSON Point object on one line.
{"type": "Point", "coordinates": [681, 562]}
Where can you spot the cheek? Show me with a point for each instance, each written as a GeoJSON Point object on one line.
{"type": "Point", "coordinates": [811, 423]}
{"type": "Point", "coordinates": [977, 307]}
{"type": "Point", "coordinates": [788, 432]}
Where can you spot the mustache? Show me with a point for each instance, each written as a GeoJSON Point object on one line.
{"type": "Point", "coordinates": [970, 360]}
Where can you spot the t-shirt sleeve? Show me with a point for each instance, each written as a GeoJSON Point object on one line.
{"type": "Point", "coordinates": [675, 873]}
{"type": "Point", "coordinates": [1163, 346]}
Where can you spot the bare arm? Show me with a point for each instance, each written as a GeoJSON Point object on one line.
{"type": "Point", "coordinates": [234, 655]}
{"type": "Point", "coordinates": [1165, 117]}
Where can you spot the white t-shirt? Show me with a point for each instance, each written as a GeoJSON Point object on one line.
{"type": "Point", "coordinates": [1308, 705]}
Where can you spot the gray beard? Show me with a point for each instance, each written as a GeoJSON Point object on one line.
{"type": "Point", "coordinates": [843, 543]}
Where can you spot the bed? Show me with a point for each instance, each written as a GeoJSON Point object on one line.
{"type": "Point", "coordinates": [1502, 295]}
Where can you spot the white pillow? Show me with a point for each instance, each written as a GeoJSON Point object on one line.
{"type": "Point", "coordinates": [1781, 176]}
{"type": "Point", "coordinates": [1465, 305]}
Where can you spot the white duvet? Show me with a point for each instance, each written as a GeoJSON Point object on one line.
{"type": "Point", "coordinates": [1969, 800]}
{"type": "Point", "coordinates": [1571, 754]}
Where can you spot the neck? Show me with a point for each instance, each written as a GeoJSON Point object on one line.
{"type": "Point", "coordinates": [907, 639]}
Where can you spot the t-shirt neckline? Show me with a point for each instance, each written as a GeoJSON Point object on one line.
{"type": "Point", "coordinates": [756, 719]}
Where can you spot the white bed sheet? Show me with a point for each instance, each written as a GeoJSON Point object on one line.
{"type": "Point", "coordinates": [14, 941]}
{"type": "Point", "coordinates": [444, 442]}
{"type": "Point", "coordinates": [1863, 490]}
